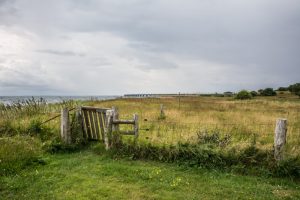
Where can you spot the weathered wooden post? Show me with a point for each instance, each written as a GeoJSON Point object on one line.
{"type": "Point", "coordinates": [108, 129]}
{"type": "Point", "coordinates": [65, 126]}
{"type": "Point", "coordinates": [136, 126]}
{"type": "Point", "coordinates": [115, 114]}
{"type": "Point", "coordinates": [116, 137]}
{"type": "Point", "coordinates": [280, 138]}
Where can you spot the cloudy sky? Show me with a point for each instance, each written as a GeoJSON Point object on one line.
{"type": "Point", "coordinates": [105, 47]}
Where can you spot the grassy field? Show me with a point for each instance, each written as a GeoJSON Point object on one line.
{"type": "Point", "coordinates": [92, 174]}
{"type": "Point", "coordinates": [226, 134]}
{"type": "Point", "coordinates": [189, 117]}
{"type": "Point", "coordinates": [186, 119]}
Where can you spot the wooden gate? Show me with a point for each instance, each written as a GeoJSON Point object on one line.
{"type": "Point", "coordinates": [101, 123]}
{"type": "Point", "coordinates": [98, 124]}
{"type": "Point", "coordinates": [94, 122]}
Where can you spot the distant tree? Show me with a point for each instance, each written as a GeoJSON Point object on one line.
{"type": "Point", "coordinates": [254, 93]}
{"type": "Point", "coordinates": [295, 89]}
{"type": "Point", "coordinates": [243, 94]}
{"type": "Point", "coordinates": [268, 92]}
{"type": "Point", "coordinates": [283, 89]}
{"type": "Point", "coordinates": [260, 91]}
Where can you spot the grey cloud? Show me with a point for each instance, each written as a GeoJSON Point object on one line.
{"type": "Point", "coordinates": [256, 42]}
{"type": "Point", "coordinates": [60, 53]}
{"type": "Point", "coordinates": [257, 33]}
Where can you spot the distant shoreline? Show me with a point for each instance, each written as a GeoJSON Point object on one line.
{"type": "Point", "coordinates": [53, 99]}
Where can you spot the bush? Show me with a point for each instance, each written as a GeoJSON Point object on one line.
{"type": "Point", "coordinates": [295, 89]}
{"type": "Point", "coordinates": [283, 89]}
{"type": "Point", "coordinates": [243, 94]}
{"type": "Point", "coordinates": [254, 93]}
{"type": "Point", "coordinates": [268, 92]}
{"type": "Point", "coordinates": [18, 152]}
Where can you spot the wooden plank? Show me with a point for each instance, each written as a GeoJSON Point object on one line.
{"type": "Point", "coordinates": [89, 108]}
{"type": "Point", "coordinates": [101, 116]}
{"type": "Point", "coordinates": [79, 120]}
{"type": "Point", "coordinates": [127, 132]}
{"type": "Point", "coordinates": [136, 126]}
{"type": "Point", "coordinates": [96, 121]}
{"type": "Point", "coordinates": [102, 109]}
{"type": "Point", "coordinates": [87, 124]}
{"type": "Point", "coordinates": [85, 135]}
{"type": "Point", "coordinates": [124, 122]}
{"type": "Point", "coordinates": [92, 124]}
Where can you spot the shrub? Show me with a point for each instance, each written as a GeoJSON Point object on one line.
{"type": "Point", "coordinates": [243, 94]}
{"type": "Point", "coordinates": [268, 92]}
{"type": "Point", "coordinates": [254, 93]}
{"type": "Point", "coordinates": [295, 89]}
{"type": "Point", "coordinates": [283, 89]}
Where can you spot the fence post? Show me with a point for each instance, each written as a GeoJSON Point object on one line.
{"type": "Point", "coordinates": [162, 112]}
{"type": "Point", "coordinates": [115, 113]}
{"type": "Point", "coordinates": [136, 126]}
{"type": "Point", "coordinates": [108, 129]}
{"type": "Point", "coordinates": [65, 126]}
{"type": "Point", "coordinates": [116, 137]}
{"type": "Point", "coordinates": [280, 138]}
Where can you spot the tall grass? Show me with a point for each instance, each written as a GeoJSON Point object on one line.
{"type": "Point", "coordinates": [225, 116]}
{"type": "Point", "coordinates": [27, 116]}
{"type": "Point", "coordinates": [18, 152]}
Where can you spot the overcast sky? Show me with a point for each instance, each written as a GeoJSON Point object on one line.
{"type": "Point", "coordinates": [105, 47]}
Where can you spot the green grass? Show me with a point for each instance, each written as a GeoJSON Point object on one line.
{"type": "Point", "coordinates": [17, 153]}
{"type": "Point", "coordinates": [93, 174]}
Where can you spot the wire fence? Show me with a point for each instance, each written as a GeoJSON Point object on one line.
{"type": "Point", "coordinates": [166, 132]}
{"type": "Point", "coordinates": [240, 133]}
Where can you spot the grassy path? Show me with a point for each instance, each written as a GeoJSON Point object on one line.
{"type": "Point", "coordinates": [87, 175]}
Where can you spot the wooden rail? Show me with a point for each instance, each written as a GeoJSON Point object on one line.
{"type": "Point", "coordinates": [123, 122]}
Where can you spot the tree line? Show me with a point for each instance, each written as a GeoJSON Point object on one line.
{"type": "Point", "coordinates": [244, 94]}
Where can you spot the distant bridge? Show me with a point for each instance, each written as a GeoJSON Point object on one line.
{"type": "Point", "coordinates": [157, 95]}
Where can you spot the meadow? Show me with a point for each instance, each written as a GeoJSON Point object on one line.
{"type": "Point", "coordinates": [189, 118]}
{"type": "Point", "coordinates": [204, 145]}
